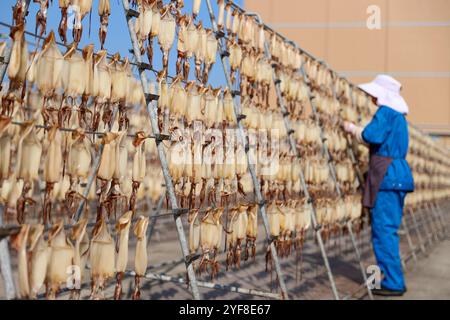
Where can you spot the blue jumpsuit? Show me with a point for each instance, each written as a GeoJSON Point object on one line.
{"type": "Point", "coordinates": [387, 135]}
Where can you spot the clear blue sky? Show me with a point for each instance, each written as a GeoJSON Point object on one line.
{"type": "Point", "coordinates": [118, 39]}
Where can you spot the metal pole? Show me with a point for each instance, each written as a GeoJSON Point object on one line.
{"type": "Point", "coordinates": [151, 227]}
{"type": "Point", "coordinates": [287, 124]}
{"type": "Point", "coordinates": [436, 221]}
{"type": "Point", "coordinates": [5, 63]}
{"type": "Point", "coordinates": [416, 226]}
{"type": "Point", "coordinates": [429, 234]}
{"type": "Point", "coordinates": [408, 239]}
{"type": "Point", "coordinates": [439, 213]}
{"type": "Point", "coordinates": [430, 223]}
{"type": "Point", "coordinates": [438, 217]}
{"type": "Point", "coordinates": [5, 264]}
{"type": "Point", "coordinates": [211, 285]}
{"type": "Point", "coordinates": [152, 109]}
{"type": "Point", "coordinates": [251, 166]}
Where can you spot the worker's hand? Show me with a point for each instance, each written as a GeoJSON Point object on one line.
{"type": "Point", "coordinates": [349, 127]}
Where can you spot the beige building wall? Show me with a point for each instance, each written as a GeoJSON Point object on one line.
{"type": "Point", "coordinates": [413, 45]}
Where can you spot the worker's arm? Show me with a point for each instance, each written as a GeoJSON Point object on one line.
{"type": "Point", "coordinates": [355, 130]}
{"type": "Point", "coordinates": [374, 133]}
{"type": "Point", "coordinates": [378, 129]}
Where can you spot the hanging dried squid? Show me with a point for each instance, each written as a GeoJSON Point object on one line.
{"type": "Point", "coordinates": [101, 86]}
{"type": "Point", "coordinates": [196, 8]}
{"type": "Point", "coordinates": [182, 47]}
{"type": "Point", "coordinates": [251, 231]}
{"type": "Point", "coordinates": [52, 169]}
{"type": "Point", "coordinates": [200, 50]}
{"type": "Point", "coordinates": [62, 28]}
{"type": "Point", "coordinates": [41, 17]}
{"type": "Point", "coordinates": [139, 167]}
{"type": "Point", "coordinates": [140, 258]}
{"type": "Point", "coordinates": [210, 239]}
{"type": "Point", "coordinates": [123, 230]}
{"type": "Point", "coordinates": [238, 228]}
{"type": "Point", "coordinates": [210, 54]}
{"type": "Point", "coordinates": [19, 242]}
{"type": "Point", "coordinates": [106, 168]}
{"type": "Point", "coordinates": [17, 67]}
{"type": "Point", "coordinates": [166, 35]}
{"type": "Point", "coordinates": [80, 253]}
{"type": "Point", "coordinates": [72, 83]}
{"type": "Point", "coordinates": [143, 23]}
{"type": "Point", "coordinates": [88, 57]}
{"type": "Point", "coordinates": [178, 98]}
{"type": "Point", "coordinates": [39, 252]}
{"type": "Point", "coordinates": [156, 20]}
{"type": "Point", "coordinates": [5, 147]}
{"type": "Point", "coordinates": [194, 231]}
{"type": "Point", "coordinates": [81, 8]}
{"type": "Point", "coordinates": [49, 67]}
{"type": "Point", "coordinates": [29, 153]}
{"type": "Point", "coordinates": [102, 258]}
{"type": "Point", "coordinates": [61, 259]}
{"type": "Point", "coordinates": [78, 165]}
{"type": "Point", "coordinates": [19, 12]}
{"type": "Point", "coordinates": [221, 15]}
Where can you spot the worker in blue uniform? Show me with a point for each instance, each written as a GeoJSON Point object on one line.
{"type": "Point", "coordinates": [389, 177]}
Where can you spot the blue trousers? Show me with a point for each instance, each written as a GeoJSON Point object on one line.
{"type": "Point", "coordinates": [386, 218]}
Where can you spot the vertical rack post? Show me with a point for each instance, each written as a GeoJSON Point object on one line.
{"type": "Point", "coordinates": [424, 222]}
{"type": "Point", "coordinates": [241, 137]}
{"type": "Point", "coordinates": [170, 190]}
{"type": "Point", "coordinates": [409, 240]}
{"type": "Point", "coordinates": [4, 64]}
{"type": "Point", "coordinates": [433, 221]}
{"type": "Point", "coordinates": [154, 217]}
{"type": "Point", "coordinates": [438, 211]}
{"type": "Point", "coordinates": [317, 228]}
{"type": "Point", "coordinates": [416, 227]}
{"type": "Point", "coordinates": [337, 187]}
{"type": "Point", "coordinates": [437, 220]}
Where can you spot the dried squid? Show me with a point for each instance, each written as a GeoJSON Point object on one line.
{"type": "Point", "coordinates": [140, 259]}
{"type": "Point", "coordinates": [81, 249]}
{"type": "Point", "coordinates": [123, 230]}
{"type": "Point", "coordinates": [39, 252]}
{"type": "Point", "coordinates": [61, 259]}
{"type": "Point", "coordinates": [166, 35]}
{"type": "Point", "coordinates": [104, 10]}
{"type": "Point", "coordinates": [102, 257]}
{"type": "Point", "coordinates": [52, 169]}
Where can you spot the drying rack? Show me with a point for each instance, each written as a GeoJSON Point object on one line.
{"type": "Point", "coordinates": [432, 227]}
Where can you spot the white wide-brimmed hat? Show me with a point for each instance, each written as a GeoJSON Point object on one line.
{"type": "Point", "coordinates": [387, 91]}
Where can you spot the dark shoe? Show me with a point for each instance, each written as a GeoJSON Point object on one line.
{"type": "Point", "coordinates": [388, 293]}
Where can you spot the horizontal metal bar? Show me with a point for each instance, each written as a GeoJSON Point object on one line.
{"type": "Point", "coordinates": [102, 133]}
{"type": "Point", "coordinates": [211, 285]}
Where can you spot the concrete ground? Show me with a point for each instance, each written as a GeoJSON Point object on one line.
{"type": "Point", "coordinates": [430, 278]}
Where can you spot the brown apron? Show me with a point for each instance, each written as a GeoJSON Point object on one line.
{"type": "Point", "coordinates": [378, 166]}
